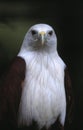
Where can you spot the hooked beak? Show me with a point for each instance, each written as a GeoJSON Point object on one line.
{"type": "Point", "coordinates": [42, 35]}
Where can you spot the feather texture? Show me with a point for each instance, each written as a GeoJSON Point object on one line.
{"type": "Point", "coordinates": [43, 95]}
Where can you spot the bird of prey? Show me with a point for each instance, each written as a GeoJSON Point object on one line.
{"type": "Point", "coordinates": [37, 90]}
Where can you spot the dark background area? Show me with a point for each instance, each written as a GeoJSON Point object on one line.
{"type": "Point", "coordinates": [66, 17]}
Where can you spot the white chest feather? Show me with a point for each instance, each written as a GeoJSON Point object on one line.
{"type": "Point", "coordinates": [43, 96]}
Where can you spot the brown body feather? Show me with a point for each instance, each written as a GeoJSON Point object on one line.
{"type": "Point", "coordinates": [69, 100]}
{"type": "Point", "coordinates": [11, 92]}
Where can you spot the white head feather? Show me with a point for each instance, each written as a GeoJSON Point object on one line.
{"type": "Point", "coordinates": [33, 38]}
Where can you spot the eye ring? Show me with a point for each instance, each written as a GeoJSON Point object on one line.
{"type": "Point", "coordinates": [33, 32]}
{"type": "Point", "coordinates": [50, 33]}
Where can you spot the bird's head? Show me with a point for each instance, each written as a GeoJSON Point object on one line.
{"type": "Point", "coordinates": [39, 37]}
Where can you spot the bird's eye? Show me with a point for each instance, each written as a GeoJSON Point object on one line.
{"type": "Point", "coordinates": [50, 33]}
{"type": "Point", "coordinates": [33, 32]}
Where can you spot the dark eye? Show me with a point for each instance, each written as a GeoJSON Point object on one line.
{"type": "Point", "coordinates": [33, 32]}
{"type": "Point", "coordinates": [50, 33]}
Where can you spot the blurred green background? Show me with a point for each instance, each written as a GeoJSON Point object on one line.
{"type": "Point", "coordinates": [66, 17]}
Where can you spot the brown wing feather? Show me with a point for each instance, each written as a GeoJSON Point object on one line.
{"type": "Point", "coordinates": [69, 99]}
{"type": "Point", "coordinates": [11, 92]}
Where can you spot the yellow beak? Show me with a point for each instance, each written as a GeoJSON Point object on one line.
{"type": "Point", "coordinates": [42, 34]}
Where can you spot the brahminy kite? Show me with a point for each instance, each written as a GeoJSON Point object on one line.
{"type": "Point", "coordinates": [37, 90]}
